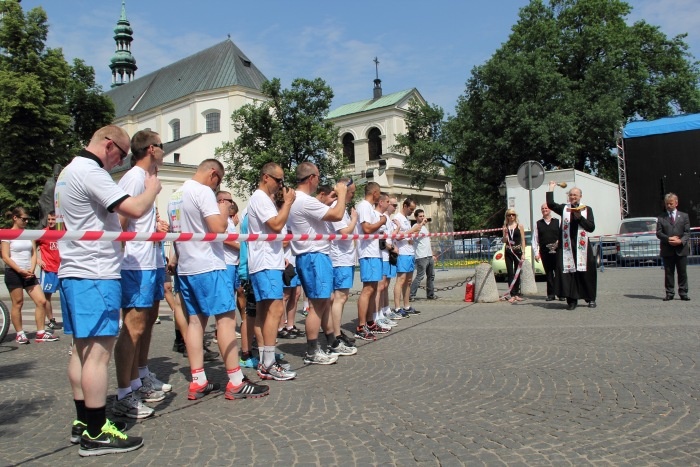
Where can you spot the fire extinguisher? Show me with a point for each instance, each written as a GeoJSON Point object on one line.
{"type": "Point", "coordinates": [469, 290]}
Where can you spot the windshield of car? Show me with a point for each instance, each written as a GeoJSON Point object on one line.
{"type": "Point", "coordinates": [638, 226]}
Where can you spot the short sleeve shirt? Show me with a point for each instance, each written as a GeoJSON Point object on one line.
{"type": "Point", "coordinates": [49, 254]}
{"type": "Point", "coordinates": [405, 248]}
{"type": "Point", "coordinates": [366, 213]}
{"type": "Point", "coordinates": [231, 255]}
{"type": "Point", "coordinates": [306, 217]}
{"type": "Point", "coordinates": [187, 210]}
{"type": "Point", "coordinates": [263, 255]}
{"type": "Point", "coordinates": [21, 252]}
{"type": "Point", "coordinates": [85, 197]}
{"type": "Point", "coordinates": [139, 256]}
{"type": "Point", "coordinates": [342, 251]}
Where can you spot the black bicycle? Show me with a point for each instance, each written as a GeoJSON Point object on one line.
{"type": "Point", "coordinates": [4, 320]}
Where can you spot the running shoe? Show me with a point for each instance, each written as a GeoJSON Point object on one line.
{"type": "Point", "coordinates": [364, 334]}
{"type": "Point", "coordinates": [347, 338]}
{"type": "Point", "coordinates": [76, 430]}
{"type": "Point", "coordinates": [412, 311]}
{"type": "Point", "coordinates": [148, 393]}
{"type": "Point", "coordinates": [377, 329]}
{"type": "Point", "coordinates": [109, 441]}
{"type": "Point", "coordinates": [392, 315]}
{"type": "Point", "coordinates": [197, 393]}
{"type": "Point", "coordinates": [319, 357]}
{"type": "Point", "coordinates": [282, 362]}
{"type": "Point", "coordinates": [275, 372]}
{"type": "Point", "coordinates": [385, 323]}
{"type": "Point", "coordinates": [131, 406]}
{"type": "Point", "coordinates": [155, 383]}
{"type": "Point", "coordinates": [251, 362]}
{"type": "Point", "coordinates": [284, 334]}
{"type": "Point", "coordinates": [45, 336]}
{"type": "Point", "coordinates": [247, 390]}
{"type": "Point", "coordinates": [53, 325]}
{"type": "Point", "coordinates": [342, 349]}
{"type": "Point", "coordinates": [157, 321]}
{"type": "Point", "coordinates": [22, 339]}
{"type": "Point", "coordinates": [296, 332]}
{"type": "Point", "coordinates": [401, 312]}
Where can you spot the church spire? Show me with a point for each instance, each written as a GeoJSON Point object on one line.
{"type": "Point", "coordinates": [377, 82]}
{"type": "Point", "coordinates": [123, 64]}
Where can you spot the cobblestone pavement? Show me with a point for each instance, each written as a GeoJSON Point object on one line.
{"type": "Point", "coordinates": [484, 384]}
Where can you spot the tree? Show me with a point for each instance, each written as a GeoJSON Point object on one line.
{"type": "Point", "coordinates": [289, 128]}
{"type": "Point", "coordinates": [570, 75]}
{"type": "Point", "coordinates": [48, 109]}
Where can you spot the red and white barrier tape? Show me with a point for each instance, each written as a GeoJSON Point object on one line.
{"type": "Point", "coordinates": [101, 236]}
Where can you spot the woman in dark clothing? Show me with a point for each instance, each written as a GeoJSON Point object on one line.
{"type": "Point", "coordinates": [514, 241]}
{"type": "Point", "coordinates": [576, 267]}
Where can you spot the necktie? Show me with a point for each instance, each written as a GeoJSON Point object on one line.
{"type": "Point", "coordinates": [673, 217]}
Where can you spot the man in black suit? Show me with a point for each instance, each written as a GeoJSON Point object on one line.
{"type": "Point", "coordinates": [545, 243]}
{"type": "Point", "coordinates": [673, 230]}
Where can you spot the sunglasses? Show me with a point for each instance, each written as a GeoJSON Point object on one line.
{"type": "Point", "coordinates": [227, 200]}
{"type": "Point", "coordinates": [280, 181]}
{"type": "Point", "coordinates": [25, 219]}
{"type": "Point", "coordinates": [123, 153]}
{"type": "Point", "coordinates": [155, 145]}
{"type": "Point", "coordinates": [395, 205]}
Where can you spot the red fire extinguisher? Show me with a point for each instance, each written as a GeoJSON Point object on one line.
{"type": "Point", "coordinates": [469, 291]}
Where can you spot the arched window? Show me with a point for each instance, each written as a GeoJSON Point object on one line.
{"type": "Point", "coordinates": [374, 143]}
{"type": "Point", "coordinates": [213, 121]}
{"type": "Point", "coordinates": [175, 127]}
{"type": "Point", "coordinates": [349, 148]}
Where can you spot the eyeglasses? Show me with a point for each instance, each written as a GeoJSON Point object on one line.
{"type": "Point", "coordinates": [122, 152]}
{"type": "Point", "coordinates": [155, 145]}
{"type": "Point", "coordinates": [280, 181]}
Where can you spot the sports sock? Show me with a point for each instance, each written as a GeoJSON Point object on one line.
{"type": "Point", "coordinates": [136, 384]}
{"type": "Point", "coordinates": [235, 376]}
{"type": "Point", "coordinates": [123, 392]}
{"type": "Point", "coordinates": [268, 355]}
{"type": "Point", "coordinates": [79, 410]}
{"type": "Point", "coordinates": [330, 338]}
{"type": "Point", "coordinates": [143, 371]}
{"type": "Point", "coordinates": [311, 346]}
{"type": "Point", "coordinates": [95, 420]}
{"type": "Point", "coordinates": [199, 377]}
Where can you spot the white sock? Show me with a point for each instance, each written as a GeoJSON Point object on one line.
{"type": "Point", "coordinates": [268, 355]}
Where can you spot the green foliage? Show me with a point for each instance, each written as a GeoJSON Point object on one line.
{"type": "Point", "coordinates": [47, 107]}
{"type": "Point", "coordinates": [289, 128]}
{"type": "Point", "coordinates": [570, 75]}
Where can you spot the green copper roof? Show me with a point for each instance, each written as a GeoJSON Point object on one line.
{"type": "Point", "coordinates": [370, 104]}
{"type": "Point", "coordinates": [220, 66]}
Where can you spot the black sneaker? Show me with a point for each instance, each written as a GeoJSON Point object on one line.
{"type": "Point", "coordinates": [247, 390]}
{"type": "Point", "coordinates": [109, 441]}
{"type": "Point", "coordinates": [198, 393]}
{"type": "Point", "coordinates": [285, 334]}
{"type": "Point", "coordinates": [78, 427]}
{"type": "Point", "coordinates": [347, 338]}
{"type": "Point", "coordinates": [179, 346]}
{"type": "Point", "coordinates": [53, 325]}
{"type": "Point", "coordinates": [209, 356]}
{"type": "Point", "coordinates": [296, 332]}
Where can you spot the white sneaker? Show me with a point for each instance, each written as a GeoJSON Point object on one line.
{"type": "Point", "coordinates": [320, 357]}
{"type": "Point", "coordinates": [155, 383]}
{"type": "Point", "coordinates": [393, 316]}
{"type": "Point", "coordinates": [342, 349]}
{"type": "Point", "coordinates": [132, 407]}
{"type": "Point", "coordinates": [148, 394]}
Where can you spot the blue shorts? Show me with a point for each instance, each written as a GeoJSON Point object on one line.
{"type": "Point", "coordinates": [405, 264]}
{"type": "Point", "coordinates": [232, 271]}
{"type": "Point", "coordinates": [315, 271]}
{"type": "Point", "coordinates": [295, 282]}
{"type": "Point", "coordinates": [140, 288]}
{"type": "Point", "coordinates": [161, 279]}
{"type": "Point", "coordinates": [370, 269]}
{"type": "Point", "coordinates": [343, 277]}
{"type": "Point", "coordinates": [208, 293]}
{"type": "Point", "coordinates": [49, 281]}
{"type": "Point", "coordinates": [237, 281]}
{"type": "Point", "coordinates": [388, 269]}
{"type": "Point", "coordinates": [90, 307]}
{"type": "Point", "coordinates": [176, 283]}
{"type": "Point", "coordinates": [267, 285]}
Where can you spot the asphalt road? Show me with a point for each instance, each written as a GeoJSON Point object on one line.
{"type": "Point", "coordinates": [461, 383]}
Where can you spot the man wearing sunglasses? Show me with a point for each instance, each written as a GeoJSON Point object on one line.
{"type": "Point", "coordinates": [86, 198]}
{"type": "Point", "coordinates": [143, 278]}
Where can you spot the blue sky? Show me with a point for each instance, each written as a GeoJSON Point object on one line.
{"type": "Point", "coordinates": [431, 46]}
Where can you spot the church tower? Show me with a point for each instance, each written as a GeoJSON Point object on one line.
{"type": "Point", "coordinates": [123, 64]}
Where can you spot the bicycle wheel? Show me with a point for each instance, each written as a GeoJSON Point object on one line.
{"type": "Point", "coordinates": [4, 320]}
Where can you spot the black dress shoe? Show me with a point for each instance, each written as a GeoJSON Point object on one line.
{"type": "Point", "coordinates": [668, 297]}
{"type": "Point", "coordinates": [550, 298]}
{"type": "Point", "coordinates": [571, 305]}
{"type": "Point", "coordinates": [592, 304]}
{"type": "Point", "coordinates": [685, 298]}
{"type": "Point", "coordinates": [561, 299]}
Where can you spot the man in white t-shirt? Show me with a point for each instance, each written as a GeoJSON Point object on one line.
{"type": "Point", "coordinates": [343, 257]}
{"type": "Point", "coordinates": [369, 222]}
{"type": "Point", "coordinates": [313, 262]}
{"type": "Point", "coordinates": [86, 198]}
{"type": "Point", "coordinates": [425, 260]}
{"type": "Point", "coordinates": [383, 312]}
{"type": "Point", "coordinates": [266, 265]}
{"type": "Point", "coordinates": [142, 290]}
{"type": "Point", "coordinates": [205, 288]}
{"type": "Point", "coordinates": [406, 261]}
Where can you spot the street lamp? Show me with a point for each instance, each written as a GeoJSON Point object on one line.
{"type": "Point", "coordinates": [502, 188]}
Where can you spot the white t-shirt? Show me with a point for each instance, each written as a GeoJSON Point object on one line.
{"type": "Point", "coordinates": [21, 252]}
{"type": "Point", "coordinates": [388, 228]}
{"type": "Point", "coordinates": [187, 210]}
{"type": "Point", "coordinates": [263, 255]}
{"type": "Point", "coordinates": [231, 255]}
{"type": "Point", "coordinates": [342, 251]}
{"type": "Point", "coordinates": [139, 256]}
{"type": "Point", "coordinates": [405, 248]}
{"type": "Point", "coordinates": [306, 217]}
{"type": "Point", "coordinates": [84, 197]}
{"type": "Point", "coordinates": [422, 244]}
{"type": "Point", "coordinates": [366, 213]}
{"type": "Point", "coordinates": [288, 255]}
